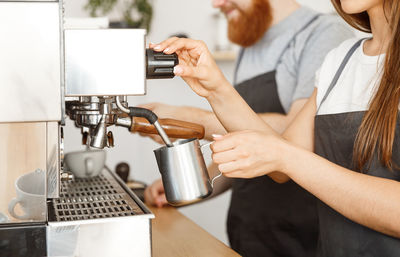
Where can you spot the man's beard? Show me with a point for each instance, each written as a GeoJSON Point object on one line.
{"type": "Point", "coordinates": [247, 29]}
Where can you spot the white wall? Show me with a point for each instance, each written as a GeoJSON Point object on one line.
{"type": "Point", "coordinates": [193, 17]}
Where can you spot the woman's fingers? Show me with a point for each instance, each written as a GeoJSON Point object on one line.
{"type": "Point", "coordinates": [236, 156]}
{"type": "Point", "coordinates": [184, 58]}
{"type": "Point", "coordinates": [164, 44]}
{"type": "Point", "coordinates": [196, 65]}
{"type": "Point", "coordinates": [190, 71]}
{"type": "Point", "coordinates": [229, 156]}
{"type": "Point", "coordinates": [237, 174]}
{"type": "Point", "coordinates": [150, 195]}
{"type": "Point", "coordinates": [239, 168]}
{"type": "Point", "coordinates": [184, 43]}
{"type": "Point", "coordinates": [161, 201]}
{"type": "Point", "coordinates": [228, 167]}
{"type": "Point", "coordinates": [154, 194]}
{"type": "Point", "coordinates": [174, 44]}
{"type": "Point", "coordinates": [223, 157]}
{"type": "Point", "coordinates": [223, 145]}
{"type": "Point", "coordinates": [228, 141]}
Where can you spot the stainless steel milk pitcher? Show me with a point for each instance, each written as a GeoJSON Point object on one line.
{"type": "Point", "coordinates": [184, 172]}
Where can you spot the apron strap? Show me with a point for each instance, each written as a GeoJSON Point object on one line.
{"type": "Point", "coordinates": [340, 70]}
{"type": "Point", "coordinates": [239, 60]}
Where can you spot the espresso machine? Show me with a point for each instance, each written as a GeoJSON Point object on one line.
{"type": "Point", "coordinates": [48, 73]}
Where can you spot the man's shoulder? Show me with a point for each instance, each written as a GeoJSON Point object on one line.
{"type": "Point", "coordinates": [326, 31]}
{"type": "Point", "coordinates": [329, 19]}
{"type": "Point", "coordinates": [330, 24]}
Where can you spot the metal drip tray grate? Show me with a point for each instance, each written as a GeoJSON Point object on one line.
{"type": "Point", "coordinates": [93, 198]}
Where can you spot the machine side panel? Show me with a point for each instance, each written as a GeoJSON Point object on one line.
{"type": "Point", "coordinates": [107, 62]}
{"type": "Point", "coordinates": [30, 61]}
{"type": "Point", "coordinates": [53, 165]}
{"type": "Point", "coordinates": [119, 238]}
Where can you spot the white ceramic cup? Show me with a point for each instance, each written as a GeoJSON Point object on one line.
{"type": "Point", "coordinates": [85, 164]}
{"type": "Point", "coordinates": [3, 218]}
{"type": "Point", "coordinates": [31, 197]}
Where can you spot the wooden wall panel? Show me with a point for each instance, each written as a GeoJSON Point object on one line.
{"type": "Point", "coordinates": [22, 150]}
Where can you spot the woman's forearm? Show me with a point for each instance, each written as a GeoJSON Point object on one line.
{"type": "Point", "coordinates": [371, 201]}
{"type": "Point", "coordinates": [239, 116]}
{"type": "Point", "coordinates": [234, 113]}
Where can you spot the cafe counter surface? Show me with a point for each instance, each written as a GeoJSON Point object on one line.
{"type": "Point", "coordinates": [174, 235]}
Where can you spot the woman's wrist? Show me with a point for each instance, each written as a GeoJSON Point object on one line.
{"type": "Point", "coordinates": [221, 92]}
{"type": "Point", "coordinates": [289, 153]}
{"type": "Point", "coordinates": [296, 161]}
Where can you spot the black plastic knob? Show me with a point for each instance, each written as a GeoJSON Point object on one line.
{"type": "Point", "coordinates": [160, 65]}
{"type": "Point", "coordinates": [122, 170]}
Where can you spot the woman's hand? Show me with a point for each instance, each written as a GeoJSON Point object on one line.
{"type": "Point", "coordinates": [196, 65]}
{"type": "Point", "coordinates": [248, 154]}
{"type": "Point", "coordinates": [155, 194]}
{"type": "Point", "coordinates": [200, 71]}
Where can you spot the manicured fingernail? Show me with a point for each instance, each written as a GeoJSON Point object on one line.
{"type": "Point", "coordinates": [178, 70]}
{"type": "Point", "coordinates": [166, 50]}
{"type": "Point", "coordinates": [158, 47]}
{"type": "Point", "coordinates": [216, 135]}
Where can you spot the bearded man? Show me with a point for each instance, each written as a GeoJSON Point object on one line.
{"type": "Point", "coordinates": [283, 44]}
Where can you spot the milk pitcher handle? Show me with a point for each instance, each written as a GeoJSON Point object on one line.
{"type": "Point", "coordinates": [220, 173]}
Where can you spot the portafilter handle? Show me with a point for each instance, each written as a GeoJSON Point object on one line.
{"type": "Point", "coordinates": [153, 119]}
{"type": "Point", "coordinates": [145, 113]}
{"type": "Point", "coordinates": [173, 128]}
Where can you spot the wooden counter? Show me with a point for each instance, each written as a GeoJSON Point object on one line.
{"type": "Point", "coordinates": [174, 235]}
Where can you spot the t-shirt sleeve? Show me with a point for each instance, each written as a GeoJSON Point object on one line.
{"type": "Point", "coordinates": [324, 38]}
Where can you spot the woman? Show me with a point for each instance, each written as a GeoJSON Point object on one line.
{"type": "Point", "coordinates": [342, 147]}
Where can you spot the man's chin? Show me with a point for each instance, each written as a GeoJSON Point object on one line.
{"type": "Point", "coordinates": [245, 38]}
{"type": "Point", "coordinates": [247, 28]}
{"type": "Point", "coordinates": [233, 16]}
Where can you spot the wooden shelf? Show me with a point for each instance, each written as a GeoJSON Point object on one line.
{"type": "Point", "coordinates": [229, 55]}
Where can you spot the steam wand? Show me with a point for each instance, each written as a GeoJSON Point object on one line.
{"type": "Point", "coordinates": [149, 115]}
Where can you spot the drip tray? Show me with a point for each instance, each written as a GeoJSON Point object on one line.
{"type": "Point", "coordinates": [92, 198]}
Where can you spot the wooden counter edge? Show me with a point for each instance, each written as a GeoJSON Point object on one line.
{"type": "Point", "coordinates": [174, 235]}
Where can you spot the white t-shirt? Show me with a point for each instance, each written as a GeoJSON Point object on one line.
{"type": "Point", "coordinates": [357, 83]}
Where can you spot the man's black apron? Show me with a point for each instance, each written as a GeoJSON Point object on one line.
{"type": "Point", "coordinates": [266, 218]}
{"type": "Point", "coordinates": [334, 140]}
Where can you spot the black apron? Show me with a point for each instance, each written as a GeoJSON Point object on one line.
{"type": "Point", "coordinates": [334, 140]}
{"type": "Point", "coordinates": [266, 218]}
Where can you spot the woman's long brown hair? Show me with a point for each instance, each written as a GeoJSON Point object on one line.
{"type": "Point", "coordinates": [377, 130]}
